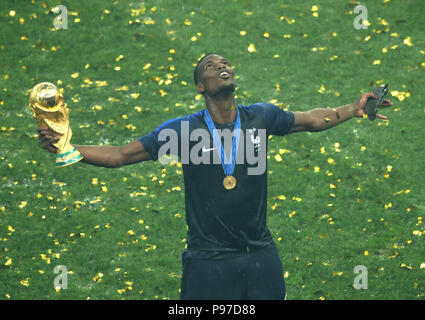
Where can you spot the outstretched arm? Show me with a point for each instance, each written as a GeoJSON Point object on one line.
{"type": "Point", "coordinates": [323, 119]}
{"type": "Point", "coordinates": [102, 156]}
{"type": "Point", "coordinates": [114, 156]}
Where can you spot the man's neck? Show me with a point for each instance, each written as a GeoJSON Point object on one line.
{"type": "Point", "coordinates": [221, 109]}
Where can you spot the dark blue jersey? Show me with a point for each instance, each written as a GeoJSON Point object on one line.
{"type": "Point", "coordinates": [222, 220]}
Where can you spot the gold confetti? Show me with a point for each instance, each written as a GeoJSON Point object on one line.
{"type": "Point", "coordinates": [289, 21]}
{"type": "Point", "coordinates": [388, 205]}
{"type": "Point", "coordinates": [400, 95]}
{"type": "Point", "coordinates": [98, 277]}
{"type": "Point", "coordinates": [252, 48]}
{"type": "Point", "coordinates": [408, 42]}
{"type": "Point", "coordinates": [25, 282]}
{"type": "Point", "coordinates": [403, 265]}
{"type": "Point", "coordinates": [23, 204]}
{"type": "Point", "coordinates": [8, 261]}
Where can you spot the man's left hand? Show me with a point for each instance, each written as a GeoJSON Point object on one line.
{"type": "Point", "coordinates": [360, 104]}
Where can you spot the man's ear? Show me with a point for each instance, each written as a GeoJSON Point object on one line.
{"type": "Point", "coordinates": [200, 87]}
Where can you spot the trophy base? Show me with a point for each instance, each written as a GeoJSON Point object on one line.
{"type": "Point", "coordinates": [68, 158]}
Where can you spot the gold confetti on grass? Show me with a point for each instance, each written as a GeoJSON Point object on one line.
{"type": "Point", "coordinates": [408, 41]}
{"type": "Point", "coordinates": [251, 48]}
{"type": "Point", "coordinates": [314, 10]}
{"type": "Point", "coordinates": [8, 262]}
{"type": "Point", "coordinates": [25, 282]}
{"type": "Point", "coordinates": [98, 277]}
{"type": "Point", "coordinates": [400, 95]}
{"type": "Point", "coordinates": [321, 89]}
{"type": "Point", "coordinates": [288, 20]}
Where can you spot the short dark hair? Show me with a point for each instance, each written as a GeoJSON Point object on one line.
{"type": "Point", "coordinates": [197, 71]}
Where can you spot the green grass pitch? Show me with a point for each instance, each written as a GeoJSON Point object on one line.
{"type": "Point", "coordinates": [352, 195]}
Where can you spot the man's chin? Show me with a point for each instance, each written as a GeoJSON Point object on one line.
{"type": "Point", "coordinates": [227, 88]}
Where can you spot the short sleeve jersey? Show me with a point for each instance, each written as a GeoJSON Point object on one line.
{"type": "Point", "coordinates": [218, 219]}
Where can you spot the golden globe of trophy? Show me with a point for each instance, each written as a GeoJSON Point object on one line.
{"type": "Point", "coordinates": [50, 110]}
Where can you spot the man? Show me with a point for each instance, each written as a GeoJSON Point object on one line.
{"type": "Point", "coordinates": [231, 253]}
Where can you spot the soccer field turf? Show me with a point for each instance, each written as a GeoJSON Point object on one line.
{"type": "Point", "coordinates": [349, 196]}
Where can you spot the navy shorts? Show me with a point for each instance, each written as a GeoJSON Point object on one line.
{"type": "Point", "coordinates": [257, 275]}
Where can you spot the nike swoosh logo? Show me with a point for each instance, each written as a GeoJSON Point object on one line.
{"type": "Point", "coordinates": [207, 149]}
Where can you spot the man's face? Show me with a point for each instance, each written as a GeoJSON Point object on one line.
{"type": "Point", "coordinates": [217, 76]}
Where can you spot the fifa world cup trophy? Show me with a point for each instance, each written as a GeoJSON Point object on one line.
{"type": "Point", "coordinates": [50, 110]}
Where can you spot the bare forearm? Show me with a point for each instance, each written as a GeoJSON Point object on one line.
{"type": "Point", "coordinates": [101, 156]}
{"type": "Point", "coordinates": [328, 118]}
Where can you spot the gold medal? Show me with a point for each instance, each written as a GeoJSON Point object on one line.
{"type": "Point", "coordinates": [229, 182]}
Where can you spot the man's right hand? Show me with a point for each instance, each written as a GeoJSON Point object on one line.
{"type": "Point", "coordinates": [47, 138]}
{"type": "Point", "coordinates": [102, 156]}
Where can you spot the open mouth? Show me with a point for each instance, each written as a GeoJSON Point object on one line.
{"type": "Point", "coordinates": [224, 75]}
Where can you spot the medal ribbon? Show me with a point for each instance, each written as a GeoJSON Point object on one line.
{"type": "Point", "coordinates": [228, 165]}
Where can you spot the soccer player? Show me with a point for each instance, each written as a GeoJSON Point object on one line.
{"type": "Point", "coordinates": [230, 252]}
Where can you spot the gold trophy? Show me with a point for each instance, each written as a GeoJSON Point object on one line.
{"type": "Point", "coordinates": [50, 110]}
